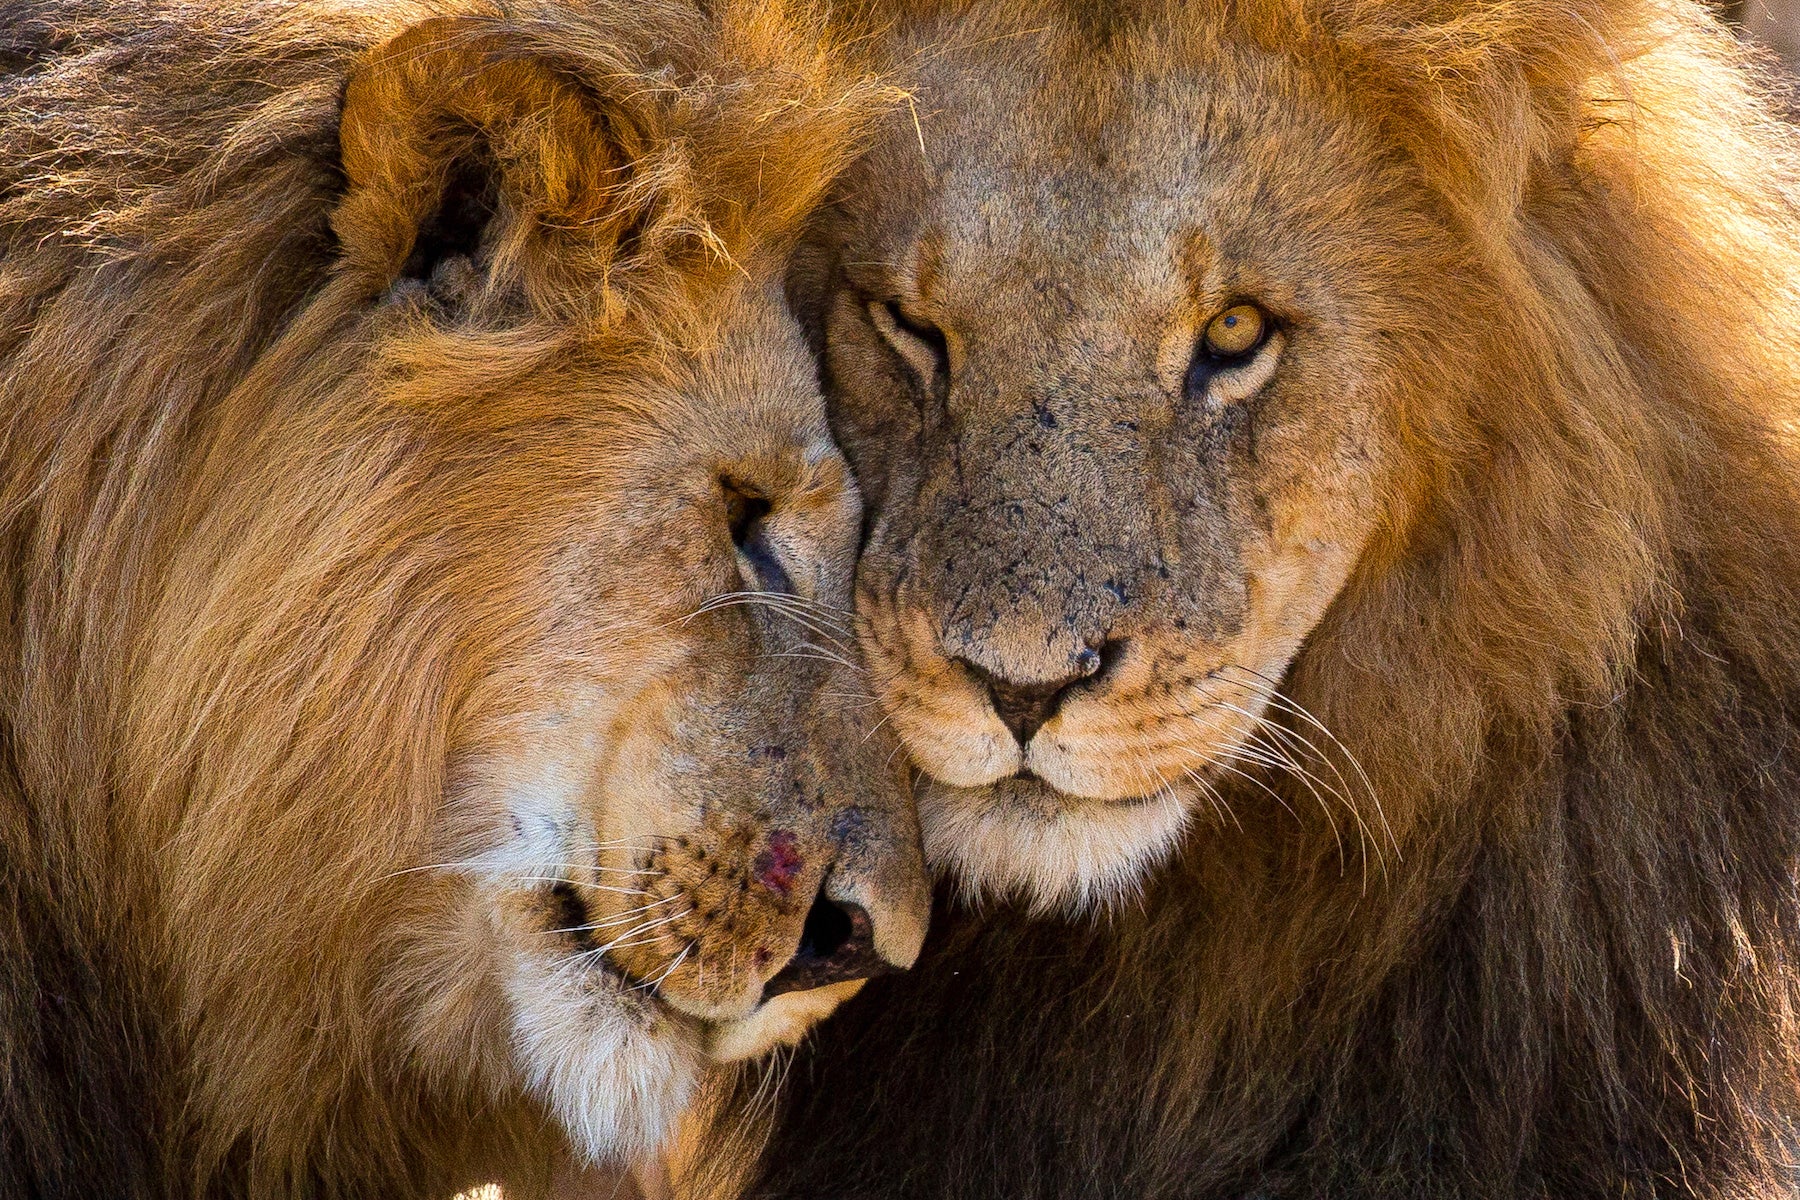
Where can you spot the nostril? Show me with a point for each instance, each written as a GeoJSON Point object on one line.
{"type": "Point", "coordinates": [828, 927]}
{"type": "Point", "coordinates": [837, 943]}
{"type": "Point", "coordinates": [1106, 659]}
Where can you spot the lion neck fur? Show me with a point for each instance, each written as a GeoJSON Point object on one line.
{"type": "Point", "coordinates": [1565, 963]}
{"type": "Point", "coordinates": [169, 277]}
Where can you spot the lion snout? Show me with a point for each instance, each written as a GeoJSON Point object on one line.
{"type": "Point", "coordinates": [756, 916]}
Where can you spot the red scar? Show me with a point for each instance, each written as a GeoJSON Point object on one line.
{"type": "Point", "coordinates": [778, 866]}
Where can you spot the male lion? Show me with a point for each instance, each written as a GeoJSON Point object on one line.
{"type": "Point", "coordinates": [1350, 445]}
{"type": "Point", "coordinates": [398, 787]}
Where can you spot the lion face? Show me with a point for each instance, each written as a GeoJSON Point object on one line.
{"type": "Point", "coordinates": [677, 825]}
{"type": "Point", "coordinates": [503, 633]}
{"type": "Point", "coordinates": [1120, 360]}
{"type": "Point", "coordinates": [687, 836]}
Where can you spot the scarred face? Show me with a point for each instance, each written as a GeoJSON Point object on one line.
{"type": "Point", "coordinates": [1111, 357]}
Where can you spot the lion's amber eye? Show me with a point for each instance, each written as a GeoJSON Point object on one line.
{"type": "Point", "coordinates": [1236, 331]}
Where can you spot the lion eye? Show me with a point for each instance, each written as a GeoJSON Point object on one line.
{"type": "Point", "coordinates": [920, 343]}
{"type": "Point", "coordinates": [1236, 332]}
{"type": "Point", "coordinates": [745, 510]}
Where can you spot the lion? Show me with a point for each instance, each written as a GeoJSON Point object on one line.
{"type": "Point", "coordinates": [427, 735]}
{"type": "Point", "coordinates": [1334, 553]}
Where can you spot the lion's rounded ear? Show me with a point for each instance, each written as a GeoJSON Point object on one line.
{"type": "Point", "coordinates": [460, 142]}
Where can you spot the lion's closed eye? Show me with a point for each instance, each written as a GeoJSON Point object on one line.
{"type": "Point", "coordinates": [759, 558]}
{"type": "Point", "coordinates": [919, 343]}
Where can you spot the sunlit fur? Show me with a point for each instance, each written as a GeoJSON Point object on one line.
{"type": "Point", "coordinates": [403, 782]}
{"type": "Point", "coordinates": [1526, 925]}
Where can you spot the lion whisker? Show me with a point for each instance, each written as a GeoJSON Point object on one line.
{"type": "Point", "coordinates": [624, 941]}
{"type": "Point", "coordinates": [818, 655]}
{"type": "Point", "coordinates": [1213, 796]}
{"type": "Point", "coordinates": [651, 985]}
{"type": "Point", "coordinates": [1284, 760]}
{"type": "Point", "coordinates": [1283, 748]}
{"type": "Point", "coordinates": [810, 604]}
{"type": "Point", "coordinates": [834, 655]}
{"type": "Point", "coordinates": [791, 607]}
{"type": "Point", "coordinates": [616, 919]}
{"type": "Point", "coordinates": [1267, 727]}
{"type": "Point", "coordinates": [1276, 696]}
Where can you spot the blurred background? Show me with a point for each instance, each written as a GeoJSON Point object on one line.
{"type": "Point", "coordinates": [1774, 23]}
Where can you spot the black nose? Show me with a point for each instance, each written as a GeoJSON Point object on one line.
{"type": "Point", "coordinates": [1024, 707]}
{"type": "Point", "coordinates": [836, 943]}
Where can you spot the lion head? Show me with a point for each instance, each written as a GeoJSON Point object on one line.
{"type": "Point", "coordinates": [427, 563]}
{"type": "Point", "coordinates": [1147, 376]}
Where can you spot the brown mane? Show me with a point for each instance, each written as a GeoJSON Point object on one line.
{"type": "Point", "coordinates": [1573, 681]}
{"type": "Point", "coordinates": [168, 179]}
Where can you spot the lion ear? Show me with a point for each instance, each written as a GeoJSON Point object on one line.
{"type": "Point", "coordinates": [461, 143]}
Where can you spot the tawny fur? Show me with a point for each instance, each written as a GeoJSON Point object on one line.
{"type": "Point", "coordinates": [1567, 657]}
{"type": "Point", "coordinates": [318, 570]}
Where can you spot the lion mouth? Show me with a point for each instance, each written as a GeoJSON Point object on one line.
{"type": "Point", "coordinates": [1026, 795]}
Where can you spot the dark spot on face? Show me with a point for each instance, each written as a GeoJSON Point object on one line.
{"type": "Point", "coordinates": [570, 914]}
{"type": "Point", "coordinates": [850, 829]}
{"type": "Point", "coordinates": [762, 956]}
{"type": "Point", "coordinates": [780, 863]}
{"type": "Point", "coordinates": [768, 753]}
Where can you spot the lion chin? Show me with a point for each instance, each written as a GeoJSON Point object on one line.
{"type": "Point", "coordinates": [1023, 838]}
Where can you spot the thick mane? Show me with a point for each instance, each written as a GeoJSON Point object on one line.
{"type": "Point", "coordinates": [169, 175]}
{"type": "Point", "coordinates": [1566, 964]}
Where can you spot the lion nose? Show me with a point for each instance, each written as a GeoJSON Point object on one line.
{"type": "Point", "coordinates": [1025, 707]}
{"type": "Point", "coordinates": [837, 943]}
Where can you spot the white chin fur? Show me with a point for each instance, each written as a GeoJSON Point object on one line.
{"type": "Point", "coordinates": [1082, 856]}
{"type": "Point", "coordinates": [612, 1067]}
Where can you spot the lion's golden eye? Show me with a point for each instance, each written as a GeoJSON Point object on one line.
{"type": "Point", "coordinates": [1236, 331]}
